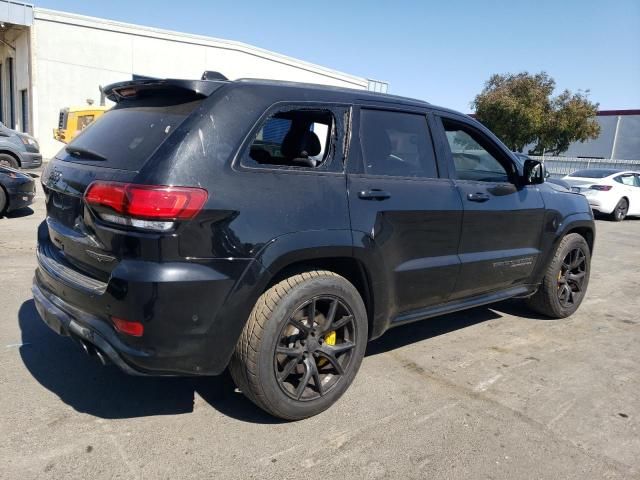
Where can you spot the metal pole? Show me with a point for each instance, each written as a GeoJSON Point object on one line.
{"type": "Point", "coordinates": [615, 138]}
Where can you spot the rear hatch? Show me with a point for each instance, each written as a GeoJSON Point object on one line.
{"type": "Point", "coordinates": [113, 149]}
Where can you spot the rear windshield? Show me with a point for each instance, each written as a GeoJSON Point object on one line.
{"type": "Point", "coordinates": [594, 173]}
{"type": "Point", "coordinates": [130, 132]}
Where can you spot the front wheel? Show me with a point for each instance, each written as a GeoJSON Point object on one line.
{"type": "Point", "coordinates": [302, 345]}
{"type": "Point", "coordinates": [565, 283]}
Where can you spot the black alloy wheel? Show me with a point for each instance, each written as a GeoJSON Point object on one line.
{"type": "Point", "coordinates": [314, 349]}
{"type": "Point", "coordinates": [302, 345]}
{"type": "Point", "coordinates": [566, 279]}
{"type": "Point", "coordinates": [571, 278]}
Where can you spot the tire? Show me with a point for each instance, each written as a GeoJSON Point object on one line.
{"type": "Point", "coordinates": [552, 298]}
{"type": "Point", "coordinates": [8, 161]}
{"type": "Point", "coordinates": [280, 323]}
{"type": "Point", "coordinates": [3, 201]}
{"type": "Point", "coordinates": [620, 212]}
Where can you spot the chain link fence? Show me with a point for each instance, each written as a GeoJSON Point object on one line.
{"type": "Point", "coordinates": [561, 166]}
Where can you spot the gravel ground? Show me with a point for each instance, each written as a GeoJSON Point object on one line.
{"type": "Point", "coordinates": [494, 392]}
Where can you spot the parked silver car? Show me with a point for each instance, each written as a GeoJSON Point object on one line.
{"type": "Point", "coordinates": [18, 150]}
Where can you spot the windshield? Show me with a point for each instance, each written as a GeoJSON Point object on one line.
{"type": "Point", "coordinates": [127, 135]}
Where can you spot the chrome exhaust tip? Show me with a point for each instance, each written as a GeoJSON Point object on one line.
{"type": "Point", "coordinates": [104, 360]}
{"type": "Point", "coordinates": [87, 347]}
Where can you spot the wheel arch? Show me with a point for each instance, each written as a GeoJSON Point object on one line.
{"type": "Point", "coordinates": [624, 197]}
{"type": "Point", "coordinates": [581, 223]}
{"type": "Point", "coordinates": [330, 250]}
{"type": "Point", "coordinates": [586, 233]}
{"type": "Point", "coordinates": [346, 266]}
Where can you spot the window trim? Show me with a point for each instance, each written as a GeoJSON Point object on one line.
{"type": "Point", "coordinates": [430, 135]}
{"type": "Point", "coordinates": [336, 147]}
{"type": "Point", "coordinates": [514, 175]}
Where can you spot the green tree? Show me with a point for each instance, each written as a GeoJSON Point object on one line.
{"type": "Point", "coordinates": [520, 110]}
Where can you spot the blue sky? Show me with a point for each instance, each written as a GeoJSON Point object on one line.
{"type": "Point", "coordinates": [439, 51]}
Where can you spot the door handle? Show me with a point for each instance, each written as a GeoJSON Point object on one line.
{"type": "Point", "coordinates": [478, 197]}
{"type": "Point", "coordinates": [373, 194]}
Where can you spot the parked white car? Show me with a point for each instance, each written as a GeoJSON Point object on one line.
{"type": "Point", "coordinates": [609, 191]}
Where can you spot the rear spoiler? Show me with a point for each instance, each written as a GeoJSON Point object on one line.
{"type": "Point", "coordinates": [132, 88]}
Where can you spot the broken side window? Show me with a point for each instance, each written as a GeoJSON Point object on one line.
{"type": "Point", "coordinates": [294, 138]}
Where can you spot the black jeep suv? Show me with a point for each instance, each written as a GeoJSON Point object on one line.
{"type": "Point", "coordinates": [274, 228]}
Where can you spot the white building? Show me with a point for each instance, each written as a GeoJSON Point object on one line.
{"type": "Point", "coordinates": [50, 60]}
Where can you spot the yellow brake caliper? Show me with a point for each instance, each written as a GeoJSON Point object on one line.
{"type": "Point", "coordinates": [559, 277]}
{"type": "Point", "coordinates": [329, 339]}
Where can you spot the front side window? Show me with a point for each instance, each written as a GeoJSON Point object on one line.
{"type": "Point", "coordinates": [293, 138]}
{"type": "Point", "coordinates": [396, 144]}
{"type": "Point", "coordinates": [473, 155]}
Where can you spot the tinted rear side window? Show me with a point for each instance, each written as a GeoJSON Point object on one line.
{"type": "Point", "coordinates": [130, 132]}
{"type": "Point", "coordinates": [396, 144]}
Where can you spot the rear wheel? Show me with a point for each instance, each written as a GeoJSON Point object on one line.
{"type": "Point", "coordinates": [620, 212]}
{"type": "Point", "coordinates": [565, 282]}
{"type": "Point", "coordinates": [8, 161]}
{"type": "Point", "coordinates": [302, 345]}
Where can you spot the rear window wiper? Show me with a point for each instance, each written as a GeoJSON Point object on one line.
{"type": "Point", "coordinates": [84, 153]}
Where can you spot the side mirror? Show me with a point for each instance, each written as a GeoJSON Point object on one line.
{"type": "Point", "coordinates": [533, 172]}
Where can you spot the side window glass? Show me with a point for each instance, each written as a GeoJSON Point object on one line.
{"type": "Point", "coordinates": [396, 144]}
{"type": "Point", "coordinates": [294, 138]}
{"type": "Point", "coordinates": [471, 154]}
{"type": "Point", "coordinates": [637, 179]}
{"type": "Point", "coordinates": [628, 179]}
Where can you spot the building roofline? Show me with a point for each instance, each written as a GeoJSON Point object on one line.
{"type": "Point", "coordinates": [45, 14]}
{"type": "Point", "coordinates": [606, 113]}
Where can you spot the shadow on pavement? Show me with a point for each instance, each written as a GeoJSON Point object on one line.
{"type": "Point", "coordinates": [432, 327]}
{"type": "Point", "coordinates": [21, 212]}
{"type": "Point", "coordinates": [518, 308]}
{"type": "Point", "coordinates": [81, 382]}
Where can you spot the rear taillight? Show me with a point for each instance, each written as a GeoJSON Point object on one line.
{"type": "Point", "coordinates": [602, 188]}
{"type": "Point", "coordinates": [134, 329]}
{"type": "Point", "coordinates": [152, 207]}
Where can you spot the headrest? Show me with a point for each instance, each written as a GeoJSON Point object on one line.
{"type": "Point", "coordinates": [300, 144]}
